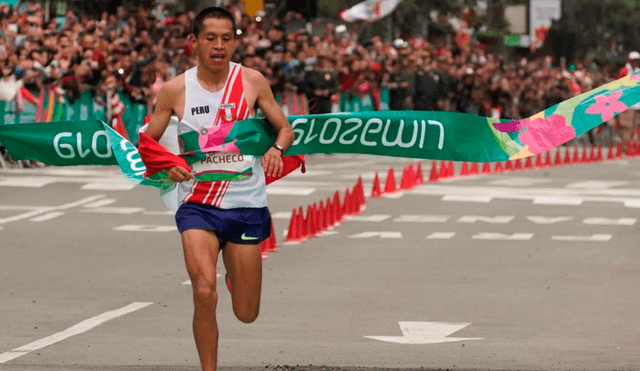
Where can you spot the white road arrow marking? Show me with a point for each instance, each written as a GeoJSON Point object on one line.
{"type": "Point", "coordinates": [425, 333]}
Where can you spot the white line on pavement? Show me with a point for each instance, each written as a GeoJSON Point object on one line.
{"type": "Point", "coordinates": [108, 186]}
{"type": "Point", "coordinates": [595, 237]}
{"type": "Point", "coordinates": [113, 210]}
{"type": "Point", "coordinates": [101, 203]}
{"type": "Point", "coordinates": [19, 208]}
{"type": "Point", "coordinates": [441, 235]}
{"type": "Point", "coordinates": [546, 200]}
{"type": "Point", "coordinates": [77, 329]}
{"type": "Point", "coordinates": [501, 236]}
{"type": "Point", "coordinates": [145, 228]}
{"type": "Point", "coordinates": [48, 209]}
{"type": "Point", "coordinates": [47, 216]}
{"type": "Point", "coordinates": [168, 212]}
{"type": "Point", "coordinates": [462, 198]}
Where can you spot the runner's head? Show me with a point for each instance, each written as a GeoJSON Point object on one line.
{"type": "Point", "coordinates": [214, 38]}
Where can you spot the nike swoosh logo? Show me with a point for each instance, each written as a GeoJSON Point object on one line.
{"type": "Point", "coordinates": [246, 238]}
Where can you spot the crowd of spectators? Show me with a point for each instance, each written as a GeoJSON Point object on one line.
{"type": "Point", "coordinates": [136, 50]}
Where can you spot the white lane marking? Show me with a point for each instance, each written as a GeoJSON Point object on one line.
{"type": "Point", "coordinates": [597, 184]}
{"type": "Point", "coordinates": [441, 236]}
{"type": "Point", "coordinates": [549, 220]}
{"type": "Point", "coordinates": [289, 191]}
{"type": "Point", "coordinates": [630, 197]}
{"type": "Point", "coordinates": [393, 196]}
{"type": "Point", "coordinates": [47, 209]}
{"type": "Point", "coordinates": [632, 204]}
{"type": "Point", "coordinates": [281, 215]}
{"type": "Point", "coordinates": [463, 198]}
{"type": "Point", "coordinates": [500, 219]}
{"type": "Point", "coordinates": [26, 182]}
{"type": "Point", "coordinates": [48, 216]}
{"type": "Point", "coordinates": [168, 213]}
{"type": "Point", "coordinates": [146, 228]}
{"type": "Point", "coordinates": [607, 221]}
{"type": "Point", "coordinates": [519, 182]}
{"type": "Point", "coordinates": [108, 186]}
{"type": "Point", "coordinates": [425, 333]}
{"type": "Point", "coordinates": [19, 208]}
{"type": "Point", "coordinates": [328, 233]}
{"type": "Point", "coordinates": [368, 218]}
{"type": "Point", "coordinates": [594, 237]}
{"type": "Point", "coordinates": [77, 329]}
{"type": "Point", "coordinates": [388, 234]}
{"type": "Point", "coordinates": [422, 218]}
{"type": "Point", "coordinates": [100, 203]}
{"type": "Point", "coordinates": [501, 236]}
{"type": "Point", "coordinates": [564, 201]}
{"type": "Point", "coordinates": [113, 210]}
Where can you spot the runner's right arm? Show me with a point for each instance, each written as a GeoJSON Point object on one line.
{"type": "Point", "coordinates": [168, 98]}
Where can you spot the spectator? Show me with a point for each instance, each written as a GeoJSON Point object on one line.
{"type": "Point", "coordinates": [321, 84]}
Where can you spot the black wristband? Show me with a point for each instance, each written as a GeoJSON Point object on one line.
{"type": "Point", "coordinates": [279, 148]}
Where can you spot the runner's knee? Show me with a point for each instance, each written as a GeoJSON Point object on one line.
{"type": "Point", "coordinates": [205, 295]}
{"type": "Point", "coordinates": [247, 314]}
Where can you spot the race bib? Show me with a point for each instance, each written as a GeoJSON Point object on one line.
{"type": "Point", "coordinates": [223, 166]}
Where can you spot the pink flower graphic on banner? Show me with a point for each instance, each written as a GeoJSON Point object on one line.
{"type": "Point", "coordinates": [212, 139]}
{"type": "Point", "coordinates": [543, 134]}
{"type": "Point", "coordinates": [607, 106]}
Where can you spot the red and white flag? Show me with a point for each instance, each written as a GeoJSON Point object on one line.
{"type": "Point", "coordinates": [115, 110]}
{"type": "Point", "coordinates": [369, 10]}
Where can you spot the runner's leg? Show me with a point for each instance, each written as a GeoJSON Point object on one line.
{"type": "Point", "coordinates": [244, 266]}
{"type": "Point", "coordinates": [201, 256]}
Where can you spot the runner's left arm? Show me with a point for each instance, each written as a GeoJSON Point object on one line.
{"type": "Point", "coordinates": [272, 159]}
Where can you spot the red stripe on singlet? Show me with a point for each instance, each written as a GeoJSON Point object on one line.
{"type": "Point", "coordinates": [204, 189]}
{"type": "Point", "coordinates": [242, 114]}
{"type": "Point", "coordinates": [228, 97]}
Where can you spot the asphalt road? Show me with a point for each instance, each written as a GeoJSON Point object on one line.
{"type": "Point", "coordinates": [533, 270]}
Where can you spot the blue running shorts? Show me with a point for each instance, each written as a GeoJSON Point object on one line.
{"type": "Point", "coordinates": [245, 225]}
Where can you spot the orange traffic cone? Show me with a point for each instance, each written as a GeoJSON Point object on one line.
{"type": "Point", "coordinates": [498, 169]}
{"type": "Point", "coordinates": [508, 166]}
{"type": "Point", "coordinates": [433, 174]}
{"type": "Point", "coordinates": [518, 164]}
{"type": "Point", "coordinates": [474, 169]}
{"type": "Point", "coordinates": [528, 164]}
{"type": "Point", "coordinates": [419, 175]}
{"type": "Point", "coordinates": [486, 168]}
{"type": "Point", "coordinates": [390, 185]}
{"type": "Point", "coordinates": [293, 234]}
{"type": "Point", "coordinates": [376, 192]}
{"type": "Point", "coordinates": [465, 169]}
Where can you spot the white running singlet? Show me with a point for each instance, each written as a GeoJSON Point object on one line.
{"type": "Point", "coordinates": [203, 109]}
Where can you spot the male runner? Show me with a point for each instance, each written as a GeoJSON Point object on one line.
{"type": "Point", "coordinates": [231, 216]}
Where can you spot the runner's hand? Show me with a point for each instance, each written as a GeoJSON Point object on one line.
{"type": "Point", "coordinates": [179, 174]}
{"type": "Point", "coordinates": [272, 163]}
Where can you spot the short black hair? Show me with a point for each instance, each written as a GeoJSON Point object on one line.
{"type": "Point", "coordinates": [212, 12]}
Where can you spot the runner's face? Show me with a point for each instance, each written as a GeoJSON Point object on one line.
{"type": "Point", "coordinates": [215, 44]}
